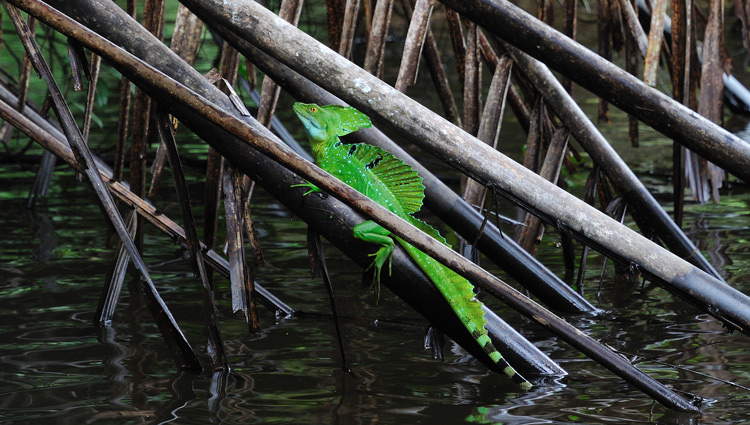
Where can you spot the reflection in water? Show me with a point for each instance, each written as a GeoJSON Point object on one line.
{"type": "Point", "coordinates": [217, 390]}
{"type": "Point", "coordinates": [45, 233]}
{"type": "Point", "coordinates": [710, 243]}
{"type": "Point", "coordinates": [181, 387]}
{"type": "Point", "coordinates": [56, 368]}
{"type": "Point", "coordinates": [120, 387]}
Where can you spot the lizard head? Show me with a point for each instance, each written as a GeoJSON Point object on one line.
{"type": "Point", "coordinates": [324, 123]}
{"type": "Point", "coordinates": [319, 123]}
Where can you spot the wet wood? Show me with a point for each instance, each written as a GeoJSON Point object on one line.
{"type": "Point", "coordinates": [212, 197]}
{"type": "Point", "coordinates": [537, 141]}
{"type": "Point", "coordinates": [48, 161]}
{"type": "Point", "coordinates": [680, 74]}
{"type": "Point", "coordinates": [604, 38]}
{"type": "Point", "coordinates": [78, 63]}
{"type": "Point", "coordinates": [589, 195]}
{"type": "Point", "coordinates": [124, 112]}
{"type": "Point", "coordinates": [122, 128]}
{"type": "Point", "coordinates": [472, 81]}
{"type": "Point", "coordinates": [711, 101]}
{"type": "Point", "coordinates": [610, 82]}
{"type": "Point", "coordinates": [534, 137]}
{"type": "Point", "coordinates": [91, 94]}
{"type": "Point", "coordinates": [25, 74]}
{"type": "Point", "coordinates": [415, 39]}
{"type": "Point", "coordinates": [518, 106]}
{"type": "Point", "coordinates": [228, 65]}
{"type": "Point", "coordinates": [533, 229]}
{"type": "Point", "coordinates": [489, 127]}
{"type": "Point", "coordinates": [742, 11]}
{"type": "Point", "coordinates": [473, 192]}
{"type": "Point", "coordinates": [655, 40]}
{"type": "Point", "coordinates": [635, 30]}
{"type": "Point", "coordinates": [215, 343]}
{"type": "Point", "coordinates": [545, 12]}
{"type": "Point", "coordinates": [105, 309]}
{"type": "Point", "coordinates": [153, 17]}
{"type": "Point", "coordinates": [632, 63]}
{"type": "Point", "coordinates": [570, 28]}
{"type": "Point", "coordinates": [457, 42]}
{"type": "Point", "coordinates": [158, 164]}
{"type": "Point", "coordinates": [166, 135]}
{"type": "Point", "coordinates": [246, 191]}
{"type": "Point", "coordinates": [240, 274]}
{"type": "Point", "coordinates": [678, 45]}
{"type": "Point", "coordinates": [269, 94]}
{"type": "Point", "coordinates": [381, 21]}
{"type": "Point", "coordinates": [657, 220]}
{"type": "Point", "coordinates": [349, 28]}
{"type": "Point", "coordinates": [186, 36]}
{"type": "Point", "coordinates": [440, 79]}
{"type": "Point", "coordinates": [335, 10]}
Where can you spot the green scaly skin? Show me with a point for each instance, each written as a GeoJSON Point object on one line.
{"type": "Point", "coordinates": [395, 185]}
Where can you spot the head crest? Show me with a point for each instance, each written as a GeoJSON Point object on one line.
{"type": "Point", "coordinates": [350, 119]}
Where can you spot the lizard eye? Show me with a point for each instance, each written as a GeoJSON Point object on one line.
{"type": "Point", "coordinates": [314, 109]}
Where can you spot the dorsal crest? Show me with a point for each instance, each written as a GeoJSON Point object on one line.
{"type": "Point", "coordinates": [400, 178]}
{"type": "Point", "coordinates": [350, 119]}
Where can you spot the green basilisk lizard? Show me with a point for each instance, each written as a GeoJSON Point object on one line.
{"type": "Point", "coordinates": [395, 185]}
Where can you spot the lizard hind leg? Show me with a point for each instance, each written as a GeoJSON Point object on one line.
{"type": "Point", "coordinates": [369, 231]}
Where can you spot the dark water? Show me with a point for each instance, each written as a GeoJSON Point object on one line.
{"type": "Point", "coordinates": [55, 367]}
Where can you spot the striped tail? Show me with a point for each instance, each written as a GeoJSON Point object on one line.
{"type": "Point", "coordinates": [459, 293]}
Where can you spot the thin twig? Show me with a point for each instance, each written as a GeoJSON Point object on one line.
{"type": "Point", "coordinates": [59, 148]}
{"type": "Point", "coordinates": [315, 238]}
{"type": "Point", "coordinates": [216, 345]}
{"type": "Point", "coordinates": [179, 345]}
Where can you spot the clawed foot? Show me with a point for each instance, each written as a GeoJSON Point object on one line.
{"type": "Point", "coordinates": [369, 231]}
{"type": "Point", "coordinates": [377, 264]}
{"type": "Point", "coordinates": [308, 185]}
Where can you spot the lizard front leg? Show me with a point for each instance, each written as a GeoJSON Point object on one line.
{"type": "Point", "coordinates": [369, 231]}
